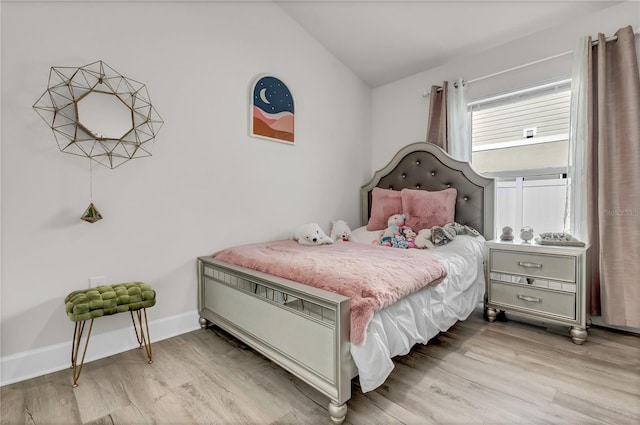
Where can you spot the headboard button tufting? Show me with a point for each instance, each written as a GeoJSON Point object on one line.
{"type": "Point", "coordinates": [424, 167]}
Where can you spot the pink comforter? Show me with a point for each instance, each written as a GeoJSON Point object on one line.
{"type": "Point", "coordinates": [371, 276]}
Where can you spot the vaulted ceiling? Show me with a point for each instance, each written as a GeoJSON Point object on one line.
{"type": "Point", "coordinates": [384, 41]}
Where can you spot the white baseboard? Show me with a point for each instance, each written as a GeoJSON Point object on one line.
{"type": "Point", "coordinates": [30, 364]}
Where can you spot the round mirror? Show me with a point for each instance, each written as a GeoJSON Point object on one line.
{"type": "Point", "coordinates": [104, 115]}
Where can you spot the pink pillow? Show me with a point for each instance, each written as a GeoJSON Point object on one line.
{"type": "Point", "coordinates": [427, 209]}
{"type": "Point", "coordinates": [384, 204]}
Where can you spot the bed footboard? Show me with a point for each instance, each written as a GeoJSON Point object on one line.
{"type": "Point", "coordinates": [303, 329]}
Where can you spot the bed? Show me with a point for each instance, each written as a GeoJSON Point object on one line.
{"type": "Point", "coordinates": [307, 330]}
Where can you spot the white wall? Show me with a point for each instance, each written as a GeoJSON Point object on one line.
{"type": "Point", "coordinates": [208, 184]}
{"type": "Point", "coordinates": [399, 111]}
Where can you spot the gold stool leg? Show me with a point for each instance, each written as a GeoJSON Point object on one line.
{"type": "Point", "coordinates": [75, 349]}
{"type": "Point", "coordinates": [143, 339]}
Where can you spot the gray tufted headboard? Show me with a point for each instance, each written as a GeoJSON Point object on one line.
{"type": "Point", "coordinates": [426, 166]}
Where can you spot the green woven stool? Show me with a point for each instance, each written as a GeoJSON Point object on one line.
{"type": "Point", "coordinates": [88, 304]}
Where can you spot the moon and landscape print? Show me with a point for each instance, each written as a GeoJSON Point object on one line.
{"type": "Point", "coordinates": [272, 110]}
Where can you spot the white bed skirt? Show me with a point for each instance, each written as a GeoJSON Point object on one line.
{"type": "Point", "coordinates": [422, 315]}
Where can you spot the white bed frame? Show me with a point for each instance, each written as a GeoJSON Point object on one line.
{"type": "Point", "coordinates": [305, 330]}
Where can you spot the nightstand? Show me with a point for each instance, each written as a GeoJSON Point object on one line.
{"type": "Point", "coordinates": [542, 282]}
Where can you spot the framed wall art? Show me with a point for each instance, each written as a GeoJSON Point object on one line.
{"type": "Point", "coordinates": [272, 113]}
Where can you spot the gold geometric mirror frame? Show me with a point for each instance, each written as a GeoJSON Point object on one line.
{"type": "Point", "coordinates": [95, 112]}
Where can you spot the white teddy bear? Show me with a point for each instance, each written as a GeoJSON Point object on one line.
{"type": "Point", "coordinates": [340, 230]}
{"type": "Point", "coordinates": [311, 234]}
{"type": "Point", "coordinates": [423, 240]}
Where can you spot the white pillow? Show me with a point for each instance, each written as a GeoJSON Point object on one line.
{"type": "Point", "coordinates": [362, 235]}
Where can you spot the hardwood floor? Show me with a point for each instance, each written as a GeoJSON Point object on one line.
{"type": "Point", "coordinates": [477, 373]}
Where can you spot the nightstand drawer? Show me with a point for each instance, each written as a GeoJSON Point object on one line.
{"type": "Point", "coordinates": [542, 300]}
{"type": "Point", "coordinates": [537, 265]}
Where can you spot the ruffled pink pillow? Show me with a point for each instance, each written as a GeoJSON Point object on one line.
{"type": "Point", "coordinates": [384, 204]}
{"type": "Point", "coordinates": [427, 209]}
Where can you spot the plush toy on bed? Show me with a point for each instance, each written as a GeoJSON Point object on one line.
{"type": "Point", "coordinates": [423, 240]}
{"type": "Point", "coordinates": [311, 234]}
{"type": "Point", "coordinates": [442, 235]}
{"type": "Point", "coordinates": [340, 231]}
{"type": "Point", "coordinates": [392, 235]}
{"type": "Point", "coordinates": [409, 235]}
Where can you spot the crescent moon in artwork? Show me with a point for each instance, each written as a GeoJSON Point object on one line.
{"type": "Point", "coordinates": [263, 96]}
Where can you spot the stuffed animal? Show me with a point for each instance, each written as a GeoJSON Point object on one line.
{"type": "Point", "coordinates": [394, 223]}
{"type": "Point", "coordinates": [442, 235]}
{"type": "Point", "coordinates": [409, 235]}
{"type": "Point", "coordinates": [423, 239]}
{"type": "Point", "coordinates": [399, 241]}
{"type": "Point", "coordinates": [340, 230]}
{"type": "Point", "coordinates": [311, 234]}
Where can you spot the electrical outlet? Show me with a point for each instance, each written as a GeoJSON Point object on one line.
{"type": "Point", "coordinates": [97, 281]}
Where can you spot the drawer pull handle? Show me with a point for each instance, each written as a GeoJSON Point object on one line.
{"type": "Point", "coordinates": [529, 299]}
{"type": "Point", "coordinates": [530, 265]}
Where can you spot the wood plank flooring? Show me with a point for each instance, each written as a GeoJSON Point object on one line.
{"type": "Point", "coordinates": [476, 373]}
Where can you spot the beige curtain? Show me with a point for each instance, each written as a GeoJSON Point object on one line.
{"type": "Point", "coordinates": [613, 179]}
{"type": "Point", "coordinates": [437, 127]}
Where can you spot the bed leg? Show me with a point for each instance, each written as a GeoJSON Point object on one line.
{"type": "Point", "coordinates": [337, 412]}
{"type": "Point", "coordinates": [203, 323]}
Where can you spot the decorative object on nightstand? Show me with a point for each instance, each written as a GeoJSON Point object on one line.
{"type": "Point", "coordinates": [507, 234]}
{"type": "Point", "coordinates": [97, 113]}
{"type": "Point", "coordinates": [559, 239]}
{"type": "Point", "coordinates": [545, 282]}
{"type": "Point", "coordinates": [526, 234]}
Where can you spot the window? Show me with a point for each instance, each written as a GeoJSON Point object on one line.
{"type": "Point", "coordinates": [523, 131]}
{"type": "Point", "coordinates": [521, 139]}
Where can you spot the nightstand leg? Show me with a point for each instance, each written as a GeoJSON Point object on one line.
{"type": "Point", "coordinates": [578, 335]}
{"type": "Point", "coordinates": [491, 313]}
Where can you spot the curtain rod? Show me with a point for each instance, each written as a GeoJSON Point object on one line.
{"type": "Point", "coordinates": [439, 89]}
{"type": "Point", "coordinates": [636, 32]}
